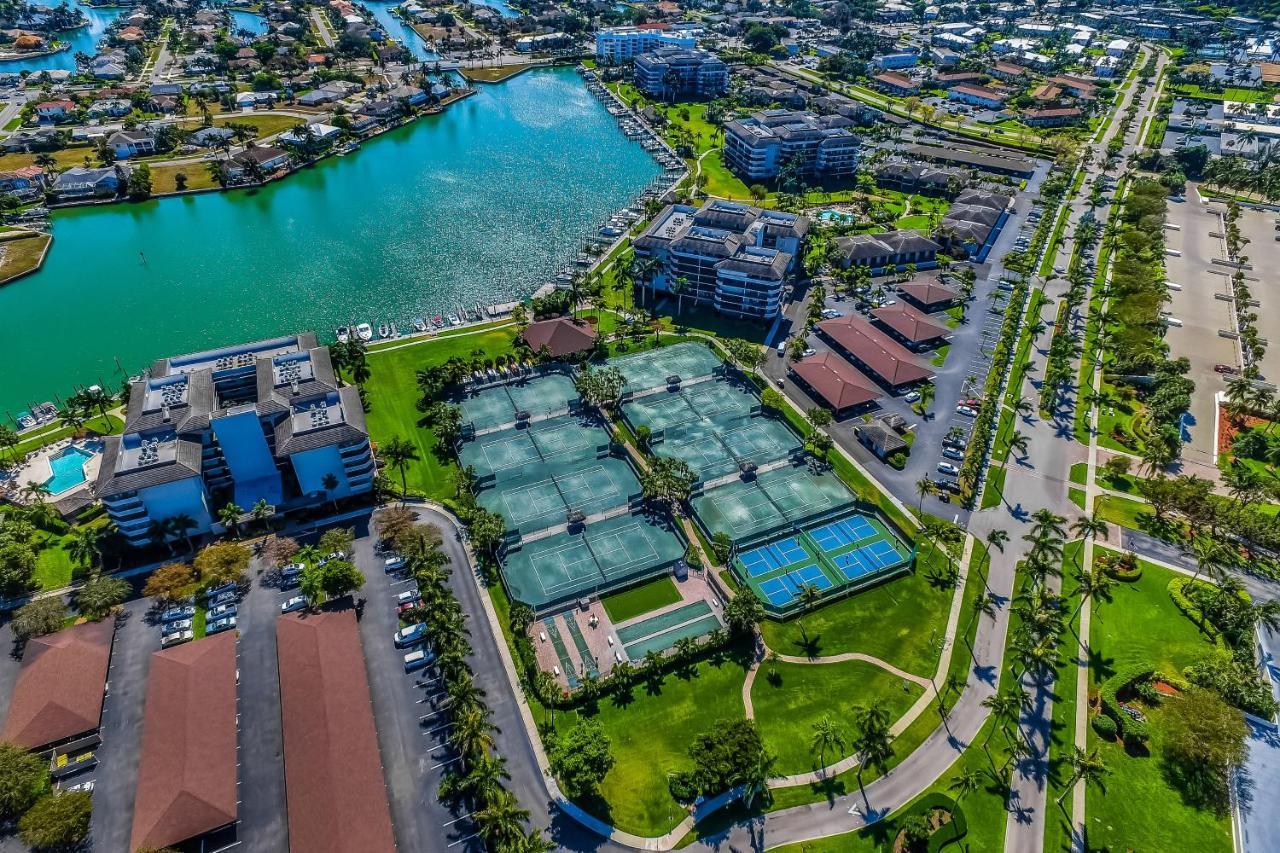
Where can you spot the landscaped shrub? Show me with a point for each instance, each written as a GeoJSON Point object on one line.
{"type": "Point", "coordinates": [1132, 731]}
{"type": "Point", "coordinates": [1122, 567]}
{"type": "Point", "coordinates": [948, 834]}
{"type": "Point", "coordinates": [1105, 727]}
{"type": "Point", "coordinates": [1237, 682]}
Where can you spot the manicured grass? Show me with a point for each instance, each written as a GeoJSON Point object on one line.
{"type": "Point", "coordinates": [64, 158]}
{"type": "Point", "coordinates": [1140, 810]}
{"type": "Point", "coordinates": [198, 622]}
{"type": "Point", "coordinates": [1076, 496]}
{"type": "Point", "coordinates": [164, 178]}
{"type": "Point", "coordinates": [786, 707]}
{"type": "Point", "coordinates": [393, 396]}
{"type": "Point", "coordinates": [638, 600]}
{"type": "Point", "coordinates": [1250, 96]}
{"type": "Point", "coordinates": [900, 621]}
{"type": "Point", "coordinates": [111, 426]}
{"type": "Point", "coordinates": [993, 492]}
{"type": "Point", "coordinates": [1124, 512]}
{"type": "Point", "coordinates": [493, 75]}
{"type": "Point", "coordinates": [1079, 473]}
{"type": "Point", "coordinates": [23, 253]}
{"type": "Point", "coordinates": [650, 733]}
{"type": "Point", "coordinates": [1062, 731]}
{"type": "Point", "coordinates": [1051, 251]}
{"type": "Point", "coordinates": [53, 565]}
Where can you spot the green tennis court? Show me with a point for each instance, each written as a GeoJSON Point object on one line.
{"type": "Point", "coordinates": [650, 369]}
{"type": "Point", "coordinates": [498, 452]}
{"type": "Point", "coordinates": [604, 555]}
{"type": "Point", "coordinates": [568, 436]}
{"type": "Point", "coordinates": [543, 494]}
{"type": "Point", "coordinates": [498, 405]}
{"type": "Point", "coordinates": [739, 509]}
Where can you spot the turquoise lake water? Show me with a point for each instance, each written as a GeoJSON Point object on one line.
{"type": "Point", "coordinates": [478, 204]}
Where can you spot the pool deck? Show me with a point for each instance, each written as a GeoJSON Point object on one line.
{"type": "Point", "coordinates": [37, 469]}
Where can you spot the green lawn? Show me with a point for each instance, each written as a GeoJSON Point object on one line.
{"type": "Point", "coordinates": [1062, 733]}
{"type": "Point", "coordinates": [110, 426]}
{"type": "Point", "coordinates": [638, 600]}
{"type": "Point", "coordinates": [1249, 96]}
{"type": "Point", "coordinates": [53, 566]}
{"type": "Point", "coordinates": [650, 736]}
{"type": "Point", "coordinates": [1123, 512]}
{"type": "Point", "coordinates": [1139, 810]}
{"type": "Point", "coordinates": [900, 621]}
{"type": "Point", "coordinates": [1079, 471]}
{"type": "Point", "coordinates": [993, 492]}
{"type": "Point", "coordinates": [393, 396]}
{"type": "Point", "coordinates": [787, 707]}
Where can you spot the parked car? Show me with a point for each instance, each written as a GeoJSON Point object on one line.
{"type": "Point", "coordinates": [393, 564]}
{"type": "Point", "coordinates": [911, 396]}
{"type": "Point", "coordinates": [946, 485]}
{"type": "Point", "coordinates": [948, 468]}
{"type": "Point", "coordinates": [217, 626]}
{"type": "Point", "coordinates": [293, 604]}
{"type": "Point", "coordinates": [1229, 369]}
{"type": "Point", "coordinates": [782, 348]}
{"type": "Point", "coordinates": [177, 625]}
{"type": "Point", "coordinates": [329, 558]}
{"type": "Point", "coordinates": [222, 598]}
{"type": "Point", "coordinates": [410, 635]}
{"type": "Point", "coordinates": [220, 611]}
{"type": "Point", "coordinates": [175, 638]}
{"type": "Point", "coordinates": [291, 569]}
{"type": "Point", "coordinates": [952, 454]}
{"type": "Point", "coordinates": [808, 351]}
{"type": "Point", "coordinates": [417, 659]}
{"type": "Point", "coordinates": [220, 590]}
{"type": "Point", "coordinates": [966, 411]}
{"type": "Point", "coordinates": [290, 581]}
{"type": "Point", "coordinates": [408, 595]}
{"type": "Point", "coordinates": [831, 313]}
{"type": "Point", "coordinates": [178, 611]}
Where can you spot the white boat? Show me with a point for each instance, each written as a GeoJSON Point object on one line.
{"type": "Point", "coordinates": [365, 332]}
{"type": "Point", "coordinates": [395, 333]}
{"type": "Point", "coordinates": [420, 324]}
{"type": "Point", "coordinates": [344, 334]}
{"type": "Point", "coordinates": [383, 331]}
{"type": "Point", "coordinates": [454, 321]}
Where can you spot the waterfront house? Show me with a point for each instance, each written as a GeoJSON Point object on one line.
{"type": "Point", "coordinates": [411, 95]}
{"type": "Point", "coordinates": [265, 160]}
{"type": "Point", "coordinates": [822, 147]}
{"type": "Point", "coordinates": [265, 421]}
{"type": "Point", "coordinates": [26, 182]}
{"type": "Point", "coordinates": [731, 256]}
{"type": "Point", "coordinates": [80, 182]}
{"type": "Point", "coordinates": [131, 143]}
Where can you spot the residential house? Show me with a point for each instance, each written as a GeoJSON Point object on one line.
{"type": "Point", "coordinates": [55, 111]}
{"type": "Point", "coordinates": [896, 84]}
{"type": "Point", "coordinates": [26, 182]}
{"type": "Point", "coordinates": [132, 143]}
{"type": "Point", "coordinates": [81, 182]}
{"type": "Point", "coordinates": [616, 45]}
{"type": "Point", "coordinates": [979, 96]}
{"type": "Point", "coordinates": [265, 160]}
{"type": "Point", "coordinates": [922, 178]}
{"type": "Point", "coordinates": [890, 250]}
{"type": "Point", "coordinates": [1052, 117]}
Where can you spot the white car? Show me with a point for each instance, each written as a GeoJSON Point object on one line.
{"type": "Point", "coordinates": [911, 396]}
{"type": "Point", "coordinates": [216, 626]}
{"type": "Point", "coordinates": [809, 351]}
{"type": "Point", "coordinates": [177, 625]}
{"type": "Point", "coordinates": [948, 468]}
{"type": "Point", "coordinates": [295, 603]}
{"type": "Point", "coordinates": [967, 411]}
{"type": "Point", "coordinates": [175, 638]}
{"type": "Point", "coordinates": [831, 313]}
{"type": "Point", "coordinates": [393, 564]}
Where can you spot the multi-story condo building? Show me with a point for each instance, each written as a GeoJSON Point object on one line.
{"type": "Point", "coordinates": [757, 148]}
{"type": "Point", "coordinates": [675, 73]}
{"type": "Point", "coordinates": [265, 421]}
{"type": "Point", "coordinates": [730, 256]}
{"type": "Point", "coordinates": [623, 44]}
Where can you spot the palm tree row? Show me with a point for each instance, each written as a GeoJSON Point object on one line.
{"type": "Point", "coordinates": [477, 775]}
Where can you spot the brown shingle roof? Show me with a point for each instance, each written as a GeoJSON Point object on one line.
{"type": "Point", "coordinates": [59, 690]}
{"type": "Point", "coordinates": [928, 293]}
{"type": "Point", "coordinates": [337, 798]}
{"type": "Point", "coordinates": [187, 772]}
{"type": "Point", "coordinates": [835, 380]}
{"type": "Point", "coordinates": [910, 323]}
{"type": "Point", "coordinates": [560, 336]}
{"type": "Point", "coordinates": [882, 355]}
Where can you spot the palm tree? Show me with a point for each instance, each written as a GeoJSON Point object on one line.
{"type": "Point", "coordinates": [1090, 527]}
{"type": "Point", "coordinates": [966, 783]}
{"type": "Point", "coordinates": [502, 821]}
{"type": "Point", "coordinates": [36, 493]}
{"type": "Point", "coordinates": [229, 515]}
{"type": "Point", "coordinates": [1095, 583]}
{"type": "Point", "coordinates": [873, 740]}
{"type": "Point", "coordinates": [810, 595]}
{"type": "Point", "coordinates": [262, 512]}
{"type": "Point", "coordinates": [398, 453]}
{"type": "Point", "coordinates": [826, 736]}
{"type": "Point", "coordinates": [330, 483]}
{"type": "Point", "coordinates": [924, 486]}
{"type": "Point", "coordinates": [472, 733]}
{"type": "Point", "coordinates": [1086, 766]}
{"type": "Point", "coordinates": [84, 545]}
{"type": "Point", "coordinates": [1022, 406]}
{"type": "Point", "coordinates": [181, 525]}
{"type": "Point", "coordinates": [1020, 442]}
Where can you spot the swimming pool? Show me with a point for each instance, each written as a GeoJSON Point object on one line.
{"type": "Point", "coordinates": [835, 216]}
{"type": "Point", "coordinates": [68, 469]}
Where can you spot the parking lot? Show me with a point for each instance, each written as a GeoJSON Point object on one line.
{"type": "Point", "coordinates": [1198, 315]}
{"type": "Point", "coordinates": [960, 378]}
{"type": "Point", "coordinates": [1263, 249]}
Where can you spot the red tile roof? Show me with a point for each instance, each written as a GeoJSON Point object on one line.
{"type": "Point", "coordinates": [187, 769]}
{"type": "Point", "coordinates": [561, 336]}
{"type": "Point", "coordinates": [928, 293]}
{"type": "Point", "coordinates": [884, 356]}
{"type": "Point", "coordinates": [337, 798]}
{"type": "Point", "coordinates": [835, 380]}
{"type": "Point", "coordinates": [59, 690]}
{"type": "Point", "coordinates": [910, 323]}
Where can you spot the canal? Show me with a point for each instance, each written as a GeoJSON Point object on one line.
{"type": "Point", "coordinates": [475, 205]}
{"type": "Point", "coordinates": [82, 40]}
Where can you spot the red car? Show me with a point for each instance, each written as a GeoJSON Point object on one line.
{"type": "Point", "coordinates": [1226, 368]}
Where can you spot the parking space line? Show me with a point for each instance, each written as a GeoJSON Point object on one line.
{"type": "Point", "coordinates": [456, 819]}
{"type": "Point", "coordinates": [446, 763]}
{"type": "Point", "coordinates": [437, 729]}
{"type": "Point", "coordinates": [468, 838]}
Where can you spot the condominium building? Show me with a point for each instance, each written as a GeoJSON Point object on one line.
{"type": "Point", "coordinates": [676, 73]}
{"type": "Point", "coordinates": [622, 44]}
{"type": "Point", "coordinates": [757, 148]}
{"type": "Point", "coordinates": [265, 421]}
{"type": "Point", "coordinates": [732, 257]}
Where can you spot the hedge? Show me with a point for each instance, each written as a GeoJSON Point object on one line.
{"type": "Point", "coordinates": [1131, 730]}
{"type": "Point", "coordinates": [1115, 569]}
{"type": "Point", "coordinates": [1177, 591]}
{"type": "Point", "coordinates": [947, 834]}
{"type": "Point", "coordinates": [1105, 727]}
